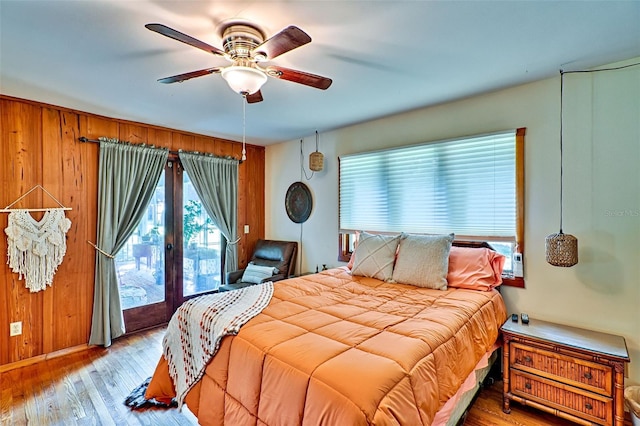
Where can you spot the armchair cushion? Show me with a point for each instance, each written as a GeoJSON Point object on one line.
{"type": "Point", "coordinates": [256, 274]}
{"type": "Point", "coordinates": [280, 255]}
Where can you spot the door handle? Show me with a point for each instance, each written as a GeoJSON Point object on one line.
{"type": "Point", "coordinates": [169, 246]}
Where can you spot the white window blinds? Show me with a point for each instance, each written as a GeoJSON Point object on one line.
{"type": "Point", "coordinates": [466, 186]}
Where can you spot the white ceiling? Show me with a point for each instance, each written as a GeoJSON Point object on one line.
{"type": "Point", "coordinates": [384, 57]}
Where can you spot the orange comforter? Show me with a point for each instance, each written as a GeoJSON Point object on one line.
{"type": "Point", "coordinates": [332, 349]}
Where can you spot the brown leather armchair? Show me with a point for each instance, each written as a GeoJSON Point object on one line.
{"type": "Point", "coordinates": [278, 254]}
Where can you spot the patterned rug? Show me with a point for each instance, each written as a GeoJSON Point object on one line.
{"type": "Point", "coordinates": [136, 399]}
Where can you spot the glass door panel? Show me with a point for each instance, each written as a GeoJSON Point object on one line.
{"type": "Point", "coordinates": [154, 277]}
{"type": "Point", "coordinates": [140, 263]}
{"type": "Point", "coordinates": [201, 245]}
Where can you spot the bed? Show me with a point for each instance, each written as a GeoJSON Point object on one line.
{"type": "Point", "coordinates": [336, 348]}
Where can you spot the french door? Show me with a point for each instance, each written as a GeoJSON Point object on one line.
{"type": "Point", "coordinates": [175, 253]}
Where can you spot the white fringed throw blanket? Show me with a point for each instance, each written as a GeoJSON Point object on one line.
{"type": "Point", "coordinates": [196, 329]}
{"type": "Point", "coordinates": [36, 248]}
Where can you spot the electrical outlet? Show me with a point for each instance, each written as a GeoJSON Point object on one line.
{"type": "Point", "coordinates": [246, 229]}
{"type": "Point", "coordinates": [15, 328]}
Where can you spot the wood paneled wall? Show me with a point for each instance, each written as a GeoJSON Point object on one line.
{"type": "Point", "coordinates": [39, 145]}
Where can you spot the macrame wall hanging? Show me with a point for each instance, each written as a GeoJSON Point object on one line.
{"type": "Point", "coordinates": [36, 247]}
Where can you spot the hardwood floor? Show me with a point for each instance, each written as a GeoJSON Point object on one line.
{"type": "Point", "coordinates": [487, 410]}
{"type": "Point", "coordinates": [88, 388]}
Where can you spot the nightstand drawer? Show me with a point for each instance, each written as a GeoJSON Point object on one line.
{"type": "Point", "coordinates": [574, 371]}
{"type": "Point", "coordinates": [586, 405]}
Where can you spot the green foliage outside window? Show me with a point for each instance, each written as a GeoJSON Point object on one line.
{"type": "Point", "coordinates": [193, 221]}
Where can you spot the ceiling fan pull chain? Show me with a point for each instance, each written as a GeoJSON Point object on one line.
{"type": "Point", "coordinates": [244, 122]}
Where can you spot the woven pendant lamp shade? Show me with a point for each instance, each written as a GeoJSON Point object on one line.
{"type": "Point", "coordinates": [562, 249]}
{"type": "Point", "coordinates": [316, 161]}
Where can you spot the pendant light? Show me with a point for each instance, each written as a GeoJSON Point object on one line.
{"type": "Point", "coordinates": [561, 248]}
{"type": "Point", "coordinates": [316, 159]}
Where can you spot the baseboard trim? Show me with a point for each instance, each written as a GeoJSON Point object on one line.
{"type": "Point", "coordinates": [40, 358]}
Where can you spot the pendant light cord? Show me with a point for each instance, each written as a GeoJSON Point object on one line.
{"type": "Point", "coordinates": [561, 150]}
{"type": "Point", "coordinates": [562, 73]}
{"type": "Point", "coordinates": [302, 169]}
{"type": "Point", "coordinates": [600, 69]}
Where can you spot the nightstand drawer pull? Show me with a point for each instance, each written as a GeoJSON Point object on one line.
{"type": "Point", "coordinates": [527, 358]}
{"type": "Point", "coordinates": [588, 376]}
{"type": "Point", "coordinates": [588, 406]}
{"type": "Point", "coordinates": [527, 385]}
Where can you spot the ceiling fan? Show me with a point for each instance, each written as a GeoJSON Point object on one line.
{"type": "Point", "coordinates": [246, 47]}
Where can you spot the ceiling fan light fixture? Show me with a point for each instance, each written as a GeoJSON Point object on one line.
{"type": "Point", "coordinates": [244, 80]}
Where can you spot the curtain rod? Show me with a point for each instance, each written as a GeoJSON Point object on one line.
{"type": "Point", "coordinates": [85, 139]}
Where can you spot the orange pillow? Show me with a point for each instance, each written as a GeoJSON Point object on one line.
{"type": "Point", "coordinates": [351, 260]}
{"type": "Point", "coordinates": [475, 268]}
{"type": "Point", "coordinates": [355, 244]}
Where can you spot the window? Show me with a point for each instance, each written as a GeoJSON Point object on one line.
{"type": "Point", "coordinates": [472, 186]}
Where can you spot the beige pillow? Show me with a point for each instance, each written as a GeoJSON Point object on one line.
{"type": "Point", "coordinates": [423, 261]}
{"type": "Point", "coordinates": [374, 255]}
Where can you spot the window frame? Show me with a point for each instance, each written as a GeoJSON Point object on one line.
{"type": "Point", "coordinates": [345, 239]}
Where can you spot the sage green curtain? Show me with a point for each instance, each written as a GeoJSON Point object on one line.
{"type": "Point", "coordinates": [215, 180]}
{"type": "Point", "coordinates": [127, 179]}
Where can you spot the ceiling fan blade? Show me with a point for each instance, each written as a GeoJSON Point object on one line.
{"type": "Point", "coordinates": [301, 77]}
{"type": "Point", "coordinates": [177, 35]}
{"type": "Point", "coordinates": [286, 40]}
{"type": "Point", "coordinates": [256, 97]}
{"type": "Point", "coordinates": [186, 76]}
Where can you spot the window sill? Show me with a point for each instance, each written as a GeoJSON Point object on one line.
{"type": "Point", "coordinates": [511, 281]}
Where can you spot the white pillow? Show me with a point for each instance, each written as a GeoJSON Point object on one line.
{"type": "Point", "coordinates": [423, 261]}
{"type": "Point", "coordinates": [374, 255]}
{"type": "Point", "coordinates": [256, 273]}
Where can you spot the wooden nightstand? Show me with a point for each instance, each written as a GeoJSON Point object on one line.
{"type": "Point", "coordinates": [573, 373]}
